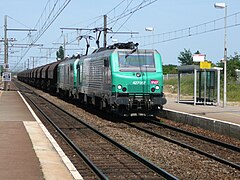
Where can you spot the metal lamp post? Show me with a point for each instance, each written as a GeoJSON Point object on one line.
{"type": "Point", "coordinates": [224, 6]}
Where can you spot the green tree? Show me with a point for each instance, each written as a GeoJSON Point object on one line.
{"type": "Point", "coordinates": [185, 57]}
{"type": "Point", "coordinates": [233, 63]}
{"type": "Point", "coordinates": [60, 53]}
{"type": "Point", "coordinates": [170, 69]}
{"type": "Point", "coordinates": [197, 52]}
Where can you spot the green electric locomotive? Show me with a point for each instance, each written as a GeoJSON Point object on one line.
{"type": "Point", "coordinates": [120, 78]}
{"type": "Point", "coordinates": [123, 79]}
{"type": "Point", "coordinates": [66, 78]}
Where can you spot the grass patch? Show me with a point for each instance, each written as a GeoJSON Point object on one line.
{"type": "Point", "coordinates": [187, 88]}
{"type": "Point", "coordinates": [233, 91]}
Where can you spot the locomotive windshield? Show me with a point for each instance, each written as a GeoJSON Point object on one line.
{"type": "Point", "coordinates": [136, 61]}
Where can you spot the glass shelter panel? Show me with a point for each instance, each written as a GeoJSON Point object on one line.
{"type": "Point", "coordinates": [206, 87]}
{"type": "Point", "coordinates": [186, 86]}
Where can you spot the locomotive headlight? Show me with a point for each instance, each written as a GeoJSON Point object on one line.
{"type": "Point", "coordinates": [157, 87]}
{"type": "Point", "coordinates": [119, 86]}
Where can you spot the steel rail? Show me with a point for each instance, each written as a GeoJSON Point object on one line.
{"type": "Point", "coordinates": [147, 163]}
{"type": "Point", "coordinates": [207, 139]}
{"type": "Point", "coordinates": [221, 160]}
{"type": "Point", "coordinates": [96, 170]}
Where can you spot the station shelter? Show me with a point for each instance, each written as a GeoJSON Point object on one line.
{"type": "Point", "coordinates": [199, 85]}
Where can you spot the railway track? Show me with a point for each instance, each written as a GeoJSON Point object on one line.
{"type": "Point", "coordinates": [146, 145]}
{"type": "Point", "coordinates": [105, 157]}
{"type": "Point", "coordinates": [222, 152]}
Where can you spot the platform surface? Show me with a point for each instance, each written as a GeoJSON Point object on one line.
{"type": "Point", "coordinates": [228, 114]}
{"type": "Point", "coordinates": [25, 150]}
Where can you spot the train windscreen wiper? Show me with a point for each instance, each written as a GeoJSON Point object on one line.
{"type": "Point", "coordinates": [134, 50]}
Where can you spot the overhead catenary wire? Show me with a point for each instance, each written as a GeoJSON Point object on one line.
{"type": "Point", "coordinates": [123, 11]}
{"type": "Point", "coordinates": [202, 28]}
{"type": "Point", "coordinates": [130, 15]}
{"type": "Point", "coordinates": [127, 12]}
{"type": "Point", "coordinates": [18, 22]}
{"type": "Point", "coordinates": [52, 15]}
{"type": "Point", "coordinates": [98, 18]}
{"type": "Point", "coordinates": [114, 20]}
{"type": "Point", "coordinates": [143, 4]}
{"type": "Point", "coordinates": [47, 21]}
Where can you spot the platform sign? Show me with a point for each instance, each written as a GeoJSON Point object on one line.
{"type": "Point", "coordinates": [205, 65]}
{"type": "Point", "coordinates": [198, 57]}
{"type": "Point", "coordinates": [6, 76]}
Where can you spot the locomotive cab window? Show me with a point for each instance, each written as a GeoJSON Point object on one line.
{"type": "Point", "coordinates": [136, 61]}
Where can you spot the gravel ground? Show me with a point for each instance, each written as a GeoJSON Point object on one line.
{"type": "Point", "coordinates": [179, 161]}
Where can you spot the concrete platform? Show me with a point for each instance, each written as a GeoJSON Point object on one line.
{"type": "Point", "coordinates": [218, 119]}
{"type": "Point", "coordinates": [27, 150]}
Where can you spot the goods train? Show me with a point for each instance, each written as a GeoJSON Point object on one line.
{"type": "Point", "coordinates": [120, 78]}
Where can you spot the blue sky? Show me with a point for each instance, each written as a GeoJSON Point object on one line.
{"type": "Point", "coordinates": [164, 16]}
